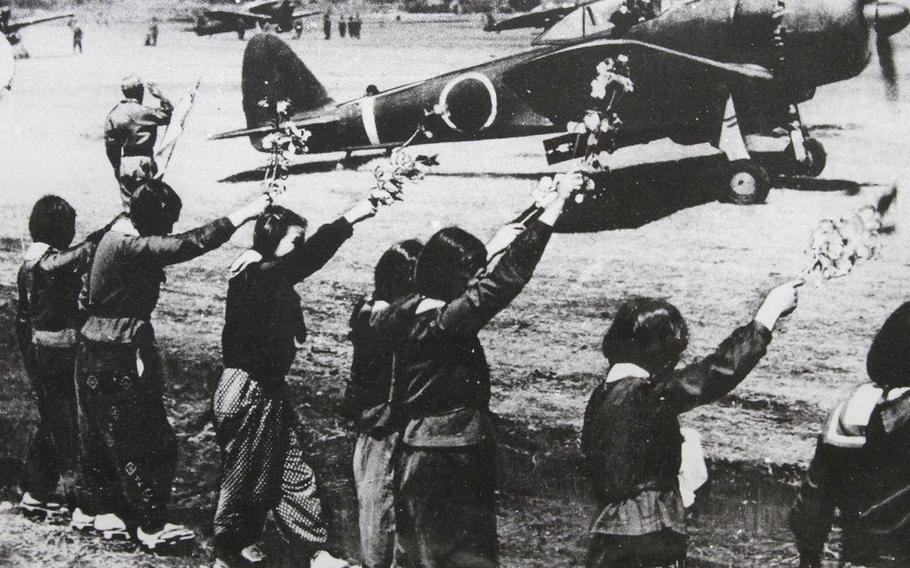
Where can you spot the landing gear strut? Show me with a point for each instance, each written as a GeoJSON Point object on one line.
{"type": "Point", "coordinates": [805, 155]}
{"type": "Point", "coordinates": [747, 182]}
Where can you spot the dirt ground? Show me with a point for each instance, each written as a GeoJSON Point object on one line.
{"type": "Point", "coordinates": [712, 260]}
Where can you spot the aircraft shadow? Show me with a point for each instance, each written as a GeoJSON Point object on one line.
{"type": "Point", "coordinates": [845, 186]}
{"type": "Point", "coordinates": [318, 166]}
{"type": "Point", "coordinates": [634, 196]}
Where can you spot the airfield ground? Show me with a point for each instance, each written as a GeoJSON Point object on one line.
{"type": "Point", "coordinates": [712, 260]}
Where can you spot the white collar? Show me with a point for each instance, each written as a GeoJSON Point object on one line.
{"type": "Point", "coordinates": [621, 371]}
{"type": "Point", "coordinates": [35, 251]}
{"type": "Point", "coordinates": [125, 226]}
{"type": "Point", "coordinates": [428, 304]}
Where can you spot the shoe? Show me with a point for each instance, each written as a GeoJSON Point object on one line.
{"type": "Point", "coordinates": [249, 557]}
{"type": "Point", "coordinates": [110, 527]}
{"type": "Point", "coordinates": [169, 535]}
{"type": "Point", "coordinates": [323, 559]}
{"type": "Point", "coordinates": [82, 522]}
{"type": "Point", "coordinates": [41, 510]}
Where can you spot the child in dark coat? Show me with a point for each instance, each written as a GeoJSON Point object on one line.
{"type": "Point", "coordinates": [631, 436]}
{"type": "Point", "coordinates": [367, 404]}
{"type": "Point", "coordinates": [128, 445]}
{"type": "Point", "coordinates": [861, 465]}
{"type": "Point", "coordinates": [255, 422]}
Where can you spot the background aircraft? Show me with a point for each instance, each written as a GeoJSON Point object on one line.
{"type": "Point", "coordinates": [280, 14]}
{"type": "Point", "coordinates": [533, 19]}
{"type": "Point", "coordinates": [7, 66]}
{"type": "Point", "coordinates": [727, 72]}
{"type": "Point", "coordinates": [10, 27]}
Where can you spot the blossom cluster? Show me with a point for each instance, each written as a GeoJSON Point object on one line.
{"type": "Point", "coordinates": [391, 175]}
{"type": "Point", "coordinates": [838, 245]}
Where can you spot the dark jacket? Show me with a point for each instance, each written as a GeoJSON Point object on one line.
{"type": "Point", "coordinates": [131, 129]}
{"type": "Point", "coordinates": [263, 316]}
{"type": "Point", "coordinates": [631, 438]}
{"type": "Point", "coordinates": [126, 274]}
{"type": "Point", "coordinates": [442, 378]}
{"type": "Point", "coordinates": [49, 287]}
{"type": "Point", "coordinates": [862, 470]}
{"type": "Point", "coordinates": [371, 370]}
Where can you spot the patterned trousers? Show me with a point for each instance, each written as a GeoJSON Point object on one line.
{"type": "Point", "coordinates": [129, 451]}
{"type": "Point", "coordinates": [263, 466]}
{"type": "Point", "coordinates": [375, 481]}
{"type": "Point", "coordinates": [54, 447]}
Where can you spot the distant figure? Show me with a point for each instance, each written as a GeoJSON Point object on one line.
{"type": "Point", "coordinates": [861, 465]}
{"type": "Point", "coordinates": [77, 36]}
{"type": "Point", "coordinates": [241, 29]}
{"type": "Point", "coordinates": [371, 90]}
{"type": "Point", "coordinates": [298, 28]}
{"type": "Point", "coordinates": [130, 133]}
{"type": "Point", "coordinates": [342, 26]}
{"type": "Point", "coordinates": [327, 26]}
{"type": "Point", "coordinates": [352, 27]}
{"type": "Point", "coordinates": [151, 38]}
{"type": "Point", "coordinates": [359, 24]}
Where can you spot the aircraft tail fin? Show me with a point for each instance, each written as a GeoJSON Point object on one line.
{"type": "Point", "coordinates": [272, 73]}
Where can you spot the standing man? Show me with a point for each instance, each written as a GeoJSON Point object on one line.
{"type": "Point", "coordinates": [151, 39]}
{"type": "Point", "coordinates": [130, 132]}
{"type": "Point", "coordinates": [77, 36]}
{"type": "Point", "coordinates": [298, 28]}
{"type": "Point", "coordinates": [342, 26]}
{"type": "Point", "coordinates": [327, 26]}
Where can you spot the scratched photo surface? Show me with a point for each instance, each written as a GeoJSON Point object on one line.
{"type": "Point", "coordinates": [667, 236]}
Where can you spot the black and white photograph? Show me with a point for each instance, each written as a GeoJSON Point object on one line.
{"type": "Point", "coordinates": [454, 283]}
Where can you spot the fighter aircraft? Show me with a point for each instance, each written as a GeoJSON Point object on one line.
{"type": "Point", "coordinates": [727, 72]}
{"type": "Point", "coordinates": [280, 14]}
{"type": "Point", "coordinates": [10, 28]}
{"type": "Point", "coordinates": [533, 19]}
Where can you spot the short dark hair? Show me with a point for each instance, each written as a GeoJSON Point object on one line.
{"type": "Point", "coordinates": [154, 208]}
{"type": "Point", "coordinates": [394, 274]}
{"type": "Point", "coordinates": [648, 332]}
{"type": "Point", "coordinates": [272, 226]}
{"type": "Point", "coordinates": [447, 262]}
{"type": "Point", "coordinates": [53, 221]}
{"type": "Point", "coordinates": [888, 362]}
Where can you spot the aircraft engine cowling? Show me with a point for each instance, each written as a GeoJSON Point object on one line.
{"type": "Point", "coordinates": [469, 102]}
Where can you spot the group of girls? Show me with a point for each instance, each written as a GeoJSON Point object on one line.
{"type": "Point", "coordinates": [419, 391]}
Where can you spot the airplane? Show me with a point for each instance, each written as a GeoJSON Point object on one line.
{"type": "Point", "coordinates": [277, 13]}
{"type": "Point", "coordinates": [533, 19]}
{"type": "Point", "coordinates": [10, 27]}
{"type": "Point", "coordinates": [727, 72]}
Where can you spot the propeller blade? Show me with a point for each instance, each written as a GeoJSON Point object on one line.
{"type": "Point", "coordinates": [886, 62]}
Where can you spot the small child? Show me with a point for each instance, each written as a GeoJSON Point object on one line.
{"type": "Point", "coordinates": [631, 436]}
{"type": "Point", "coordinates": [255, 423]}
{"type": "Point", "coordinates": [366, 401]}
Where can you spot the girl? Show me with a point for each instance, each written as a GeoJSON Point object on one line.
{"type": "Point", "coordinates": [862, 463]}
{"type": "Point", "coordinates": [366, 403]}
{"type": "Point", "coordinates": [255, 422]}
{"type": "Point", "coordinates": [631, 436]}
{"type": "Point", "coordinates": [445, 470]}
{"type": "Point", "coordinates": [129, 448]}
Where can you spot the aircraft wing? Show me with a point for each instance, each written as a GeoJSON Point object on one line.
{"type": "Point", "coordinates": [19, 24]}
{"type": "Point", "coordinates": [229, 16]}
{"type": "Point", "coordinates": [299, 15]}
{"type": "Point", "coordinates": [669, 86]}
{"type": "Point", "coordinates": [541, 19]}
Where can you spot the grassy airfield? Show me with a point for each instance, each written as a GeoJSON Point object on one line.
{"type": "Point", "coordinates": [712, 260]}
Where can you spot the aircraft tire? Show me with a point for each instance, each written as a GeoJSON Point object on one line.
{"type": "Point", "coordinates": [818, 157]}
{"type": "Point", "coordinates": [747, 183]}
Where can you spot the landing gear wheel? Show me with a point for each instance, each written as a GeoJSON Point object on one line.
{"type": "Point", "coordinates": [747, 183]}
{"type": "Point", "coordinates": [817, 157]}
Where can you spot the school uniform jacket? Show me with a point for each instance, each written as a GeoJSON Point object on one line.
{"type": "Point", "coordinates": [631, 438]}
{"type": "Point", "coordinates": [442, 380]}
{"type": "Point", "coordinates": [131, 129]}
{"type": "Point", "coordinates": [126, 274]}
{"type": "Point", "coordinates": [263, 316]}
{"type": "Point", "coordinates": [861, 467]}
